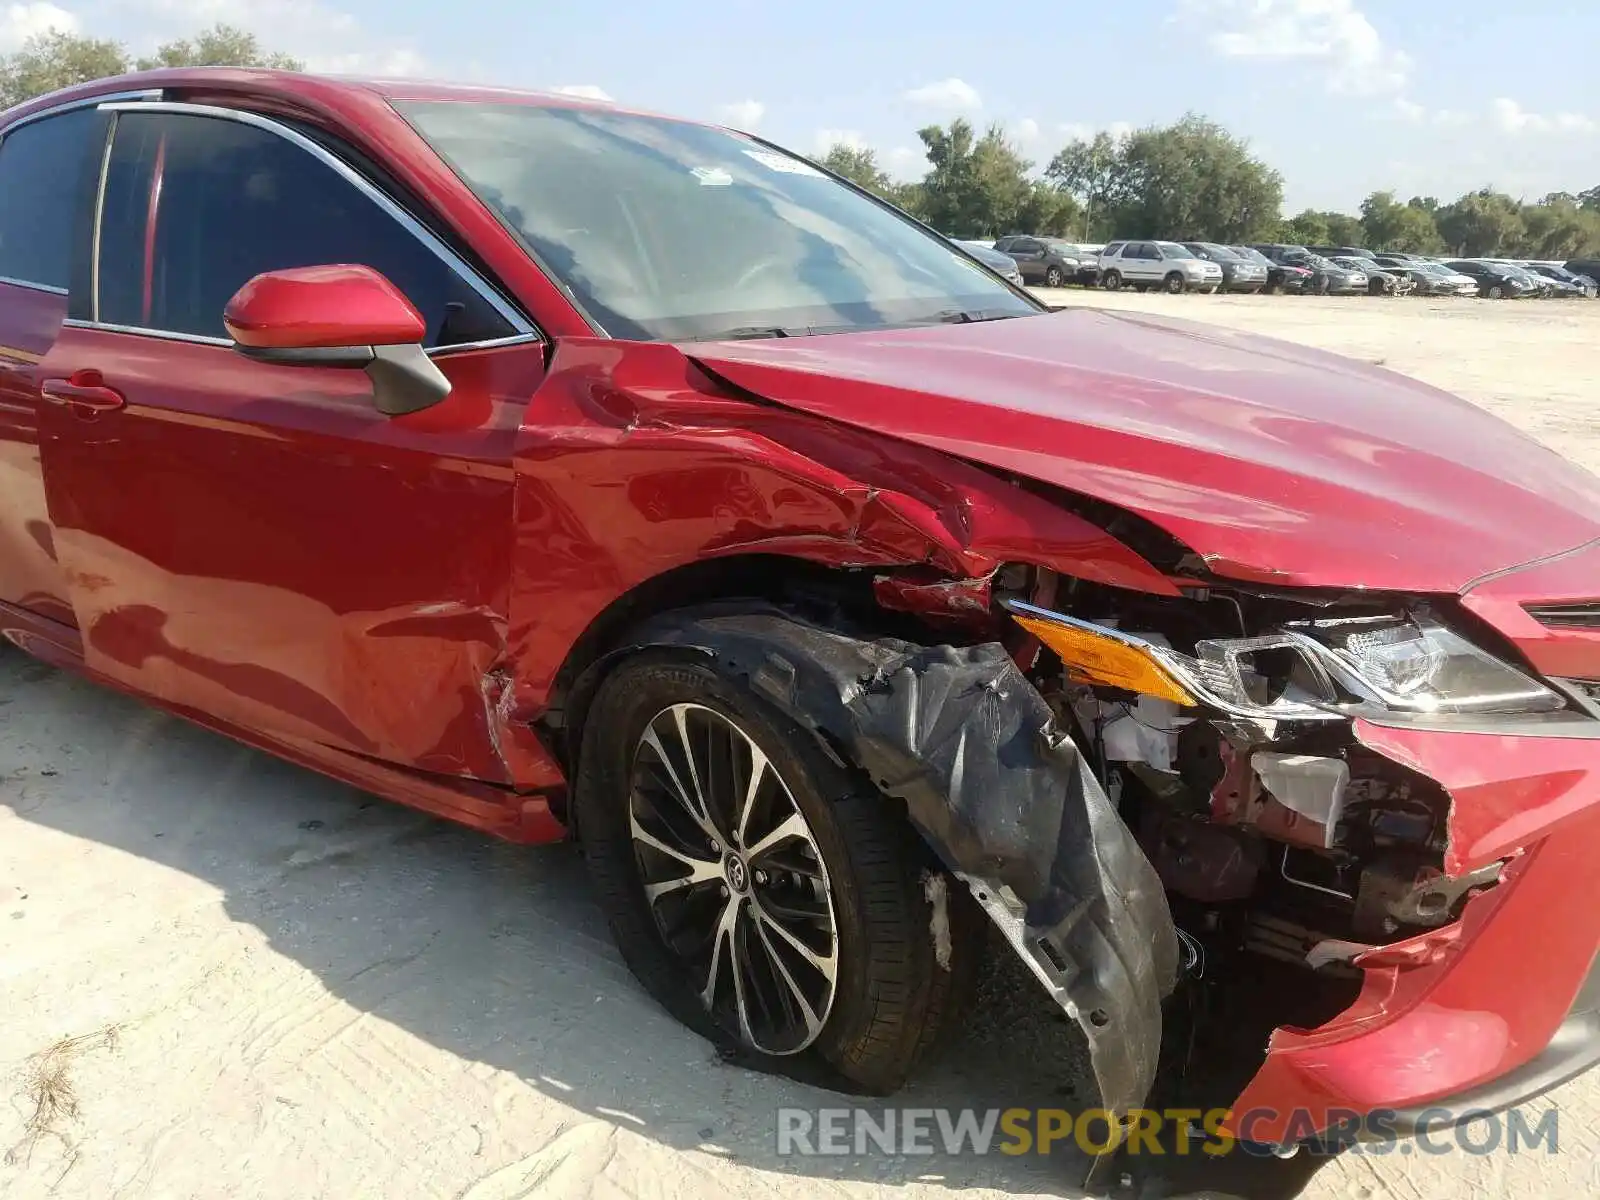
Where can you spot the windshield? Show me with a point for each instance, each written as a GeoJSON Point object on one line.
{"type": "Point", "coordinates": [1254, 256]}
{"type": "Point", "coordinates": [663, 230]}
{"type": "Point", "coordinates": [1173, 250]}
{"type": "Point", "coordinates": [1220, 253]}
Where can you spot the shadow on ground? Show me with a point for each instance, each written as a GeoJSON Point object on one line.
{"type": "Point", "coordinates": [493, 953]}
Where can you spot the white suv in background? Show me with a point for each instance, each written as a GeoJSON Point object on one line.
{"type": "Point", "coordinates": [1166, 265]}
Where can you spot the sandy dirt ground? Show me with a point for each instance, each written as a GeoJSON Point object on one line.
{"type": "Point", "coordinates": [222, 976]}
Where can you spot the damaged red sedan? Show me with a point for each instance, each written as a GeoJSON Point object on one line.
{"type": "Point", "coordinates": [559, 468]}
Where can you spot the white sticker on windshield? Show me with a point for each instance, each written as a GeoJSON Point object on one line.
{"type": "Point", "coordinates": [782, 163]}
{"type": "Point", "coordinates": [712, 176]}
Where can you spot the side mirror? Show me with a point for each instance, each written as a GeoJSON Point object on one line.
{"type": "Point", "coordinates": [339, 316]}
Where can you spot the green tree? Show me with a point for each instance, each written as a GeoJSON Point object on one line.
{"type": "Point", "coordinates": [1048, 211]}
{"type": "Point", "coordinates": [976, 185]}
{"type": "Point", "coordinates": [1484, 223]}
{"type": "Point", "coordinates": [1391, 225]}
{"type": "Point", "coordinates": [1345, 230]}
{"type": "Point", "coordinates": [859, 165]}
{"type": "Point", "coordinates": [1590, 199]}
{"type": "Point", "coordinates": [220, 46]}
{"type": "Point", "coordinates": [1193, 179]}
{"type": "Point", "coordinates": [55, 60]}
{"type": "Point", "coordinates": [1557, 228]}
{"type": "Point", "coordinates": [1090, 169]}
{"type": "Point", "coordinates": [1309, 228]}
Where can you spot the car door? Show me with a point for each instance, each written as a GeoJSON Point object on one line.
{"type": "Point", "coordinates": [1141, 262]}
{"type": "Point", "coordinates": [1029, 254]}
{"type": "Point", "coordinates": [44, 162]}
{"type": "Point", "coordinates": [255, 541]}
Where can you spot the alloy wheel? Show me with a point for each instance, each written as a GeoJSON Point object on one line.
{"type": "Point", "coordinates": [734, 878]}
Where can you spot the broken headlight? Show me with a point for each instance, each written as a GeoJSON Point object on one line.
{"type": "Point", "coordinates": [1314, 671]}
{"type": "Point", "coordinates": [1417, 665]}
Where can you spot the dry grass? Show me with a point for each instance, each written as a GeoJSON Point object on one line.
{"type": "Point", "coordinates": [47, 1086]}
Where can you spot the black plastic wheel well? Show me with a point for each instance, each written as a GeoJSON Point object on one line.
{"type": "Point", "coordinates": [839, 597]}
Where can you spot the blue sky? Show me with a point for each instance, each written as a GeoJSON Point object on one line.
{"type": "Point", "coordinates": [1342, 96]}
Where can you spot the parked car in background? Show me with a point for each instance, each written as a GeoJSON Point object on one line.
{"type": "Point", "coordinates": [1239, 274]}
{"type": "Point", "coordinates": [1281, 277]}
{"type": "Point", "coordinates": [1431, 278]}
{"type": "Point", "coordinates": [1589, 267]}
{"type": "Point", "coordinates": [1495, 281]}
{"type": "Point", "coordinates": [1047, 261]}
{"type": "Point", "coordinates": [1343, 252]}
{"type": "Point", "coordinates": [1585, 285]}
{"type": "Point", "coordinates": [1380, 282]}
{"type": "Point", "coordinates": [1002, 265]}
{"type": "Point", "coordinates": [1166, 265]}
{"type": "Point", "coordinates": [1328, 278]}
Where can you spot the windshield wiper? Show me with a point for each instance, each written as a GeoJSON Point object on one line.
{"type": "Point", "coordinates": [958, 316]}
{"type": "Point", "coordinates": [753, 331]}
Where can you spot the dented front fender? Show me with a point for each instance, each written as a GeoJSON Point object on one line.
{"type": "Point", "coordinates": [1003, 797]}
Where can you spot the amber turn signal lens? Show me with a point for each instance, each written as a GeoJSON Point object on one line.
{"type": "Point", "coordinates": [1094, 658]}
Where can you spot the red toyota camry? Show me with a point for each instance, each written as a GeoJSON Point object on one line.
{"type": "Point", "coordinates": [558, 469]}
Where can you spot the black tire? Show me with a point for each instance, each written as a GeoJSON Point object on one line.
{"type": "Point", "coordinates": [1112, 281]}
{"type": "Point", "coordinates": [1496, 292]}
{"type": "Point", "coordinates": [1054, 278]}
{"type": "Point", "coordinates": [892, 999]}
{"type": "Point", "coordinates": [1175, 283]}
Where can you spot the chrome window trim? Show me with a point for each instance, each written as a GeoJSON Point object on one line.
{"type": "Point", "coordinates": [513, 339]}
{"type": "Point", "coordinates": [35, 287]}
{"type": "Point", "coordinates": [130, 99]}
{"type": "Point", "coordinates": [165, 334]}
{"type": "Point", "coordinates": [99, 214]}
{"type": "Point", "coordinates": [524, 328]}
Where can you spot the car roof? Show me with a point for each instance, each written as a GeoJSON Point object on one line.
{"type": "Point", "coordinates": [308, 89]}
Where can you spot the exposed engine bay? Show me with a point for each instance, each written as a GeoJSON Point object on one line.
{"type": "Point", "coordinates": [1273, 830]}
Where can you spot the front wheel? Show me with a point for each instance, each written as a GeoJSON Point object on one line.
{"type": "Point", "coordinates": [1175, 284]}
{"type": "Point", "coordinates": [1113, 281]}
{"type": "Point", "coordinates": [760, 893]}
{"type": "Point", "coordinates": [1496, 292]}
{"type": "Point", "coordinates": [1054, 278]}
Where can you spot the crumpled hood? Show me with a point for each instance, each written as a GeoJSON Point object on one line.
{"type": "Point", "coordinates": [1275, 462]}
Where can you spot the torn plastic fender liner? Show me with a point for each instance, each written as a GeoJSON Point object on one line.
{"type": "Point", "coordinates": [1001, 795]}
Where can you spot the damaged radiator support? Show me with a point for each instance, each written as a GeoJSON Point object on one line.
{"type": "Point", "coordinates": [1001, 795]}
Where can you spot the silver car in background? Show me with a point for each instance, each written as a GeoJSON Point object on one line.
{"type": "Point", "coordinates": [1002, 265]}
{"type": "Point", "coordinates": [1165, 265]}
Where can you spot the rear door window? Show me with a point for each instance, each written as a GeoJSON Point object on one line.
{"type": "Point", "coordinates": [42, 167]}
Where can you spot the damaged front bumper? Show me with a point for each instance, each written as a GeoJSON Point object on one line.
{"type": "Point", "coordinates": [1002, 796]}
{"type": "Point", "coordinates": [1487, 1012]}
{"type": "Point", "coordinates": [1472, 1013]}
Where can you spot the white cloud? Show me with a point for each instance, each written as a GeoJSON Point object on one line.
{"type": "Point", "coordinates": [903, 162]}
{"type": "Point", "coordinates": [584, 91]}
{"type": "Point", "coordinates": [20, 22]}
{"type": "Point", "coordinates": [1335, 34]}
{"type": "Point", "coordinates": [382, 64]}
{"type": "Point", "coordinates": [329, 39]}
{"type": "Point", "coordinates": [743, 114]}
{"type": "Point", "coordinates": [1077, 131]}
{"type": "Point", "coordinates": [949, 93]}
{"type": "Point", "coordinates": [1026, 130]}
{"type": "Point", "coordinates": [827, 139]}
{"type": "Point", "coordinates": [1510, 117]}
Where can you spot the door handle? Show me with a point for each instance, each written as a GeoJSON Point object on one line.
{"type": "Point", "coordinates": [85, 392]}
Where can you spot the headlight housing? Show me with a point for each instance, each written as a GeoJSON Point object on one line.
{"type": "Point", "coordinates": [1310, 671]}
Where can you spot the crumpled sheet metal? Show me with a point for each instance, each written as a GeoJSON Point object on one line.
{"type": "Point", "coordinates": [1001, 795]}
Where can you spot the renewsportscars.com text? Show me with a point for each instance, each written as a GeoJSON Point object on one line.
{"type": "Point", "coordinates": [858, 1132]}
